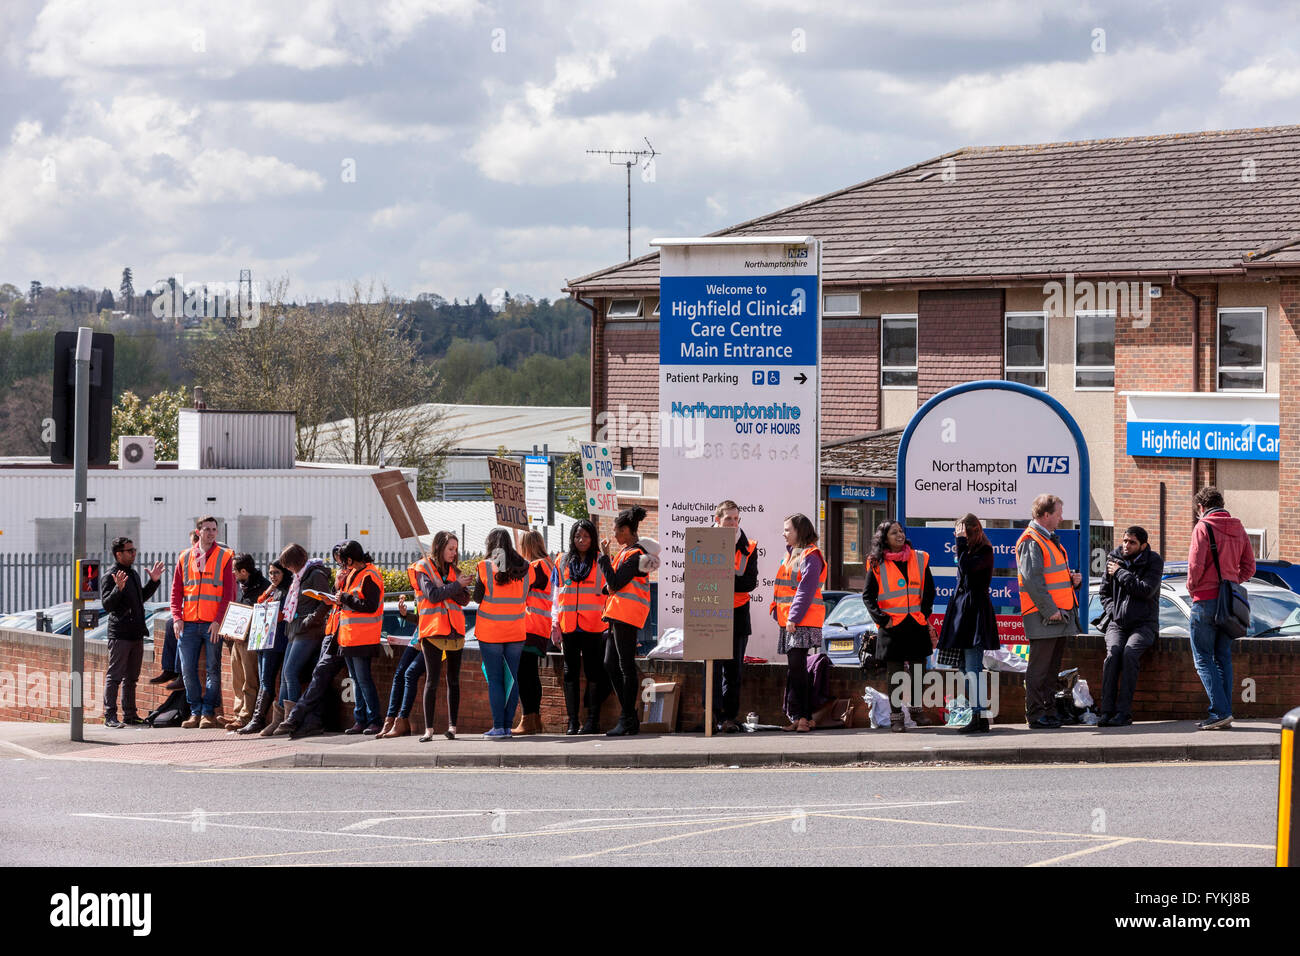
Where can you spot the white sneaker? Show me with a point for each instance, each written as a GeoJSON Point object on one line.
{"type": "Point", "coordinates": [1221, 724]}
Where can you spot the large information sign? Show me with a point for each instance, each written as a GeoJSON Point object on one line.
{"type": "Point", "coordinates": [739, 350]}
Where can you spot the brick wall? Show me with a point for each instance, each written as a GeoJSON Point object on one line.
{"type": "Point", "coordinates": [631, 393]}
{"type": "Point", "coordinates": [959, 338]}
{"type": "Point", "coordinates": [850, 378]}
{"type": "Point", "coordinates": [1289, 464]}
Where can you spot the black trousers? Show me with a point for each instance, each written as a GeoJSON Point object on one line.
{"type": "Point", "coordinates": [530, 682]}
{"type": "Point", "coordinates": [1045, 655]}
{"type": "Point", "coordinates": [124, 660]}
{"type": "Point", "coordinates": [798, 683]}
{"type": "Point", "coordinates": [584, 653]}
{"type": "Point", "coordinates": [726, 679]}
{"type": "Point", "coordinates": [1119, 672]}
{"type": "Point", "coordinates": [620, 664]}
{"type": "Point", "coordinates": [328, 665]}
{"type": "Point", "coordinates": [433, 668]}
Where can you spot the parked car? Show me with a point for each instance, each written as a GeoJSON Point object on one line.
{"type": "Point", "coordinates": [100, 633]}
{"type": "Point", "coordinates": [833, 598]}
{"type": "Point", "coordinates": [1274, 611]}
{"type": "Point", "coordinates": [845, 629]}
{"type": "Point", "coordinates": [1283, 574]}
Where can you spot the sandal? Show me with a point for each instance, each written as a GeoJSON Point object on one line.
{"type": "Point", "coordinates": [426, 736]}
{"type": "Point", "coordinates": [805, 725]}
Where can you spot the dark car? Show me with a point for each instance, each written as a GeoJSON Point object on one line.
{"type": "Point", "coordinates": [845, 629]}
{"type": "Point", "coordinates": [1282, 574]}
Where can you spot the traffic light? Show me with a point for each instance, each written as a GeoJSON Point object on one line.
{"type": "Point", "coordinates": [100, 420]}
{"type": "Point", "coordinates": [87, 585]}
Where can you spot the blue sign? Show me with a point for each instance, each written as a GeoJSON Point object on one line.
{"type": "Point", "coordinates": [736, 320]}
{"type": "Point", "coordinates": [856, 493]}
{"type": "Point", "coordinates": [1203, 440]}
{"type": "Point", "coordinates": [535, 460]}
{"type": "Point", "coordinates": [1047, 465]}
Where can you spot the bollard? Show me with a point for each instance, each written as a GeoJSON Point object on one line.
{"type": "Point", "coordinates": [1288, 819]}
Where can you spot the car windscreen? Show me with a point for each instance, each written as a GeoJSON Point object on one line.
{"type": "Point", "coordinates": [1275, 609]}
{"type": "Point", "coordinates": [849, 612]}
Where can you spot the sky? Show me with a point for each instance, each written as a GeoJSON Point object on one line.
{"type": "Point", "coordinates": [440, 145]}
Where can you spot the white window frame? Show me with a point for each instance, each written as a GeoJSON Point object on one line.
{"type": "Point", "coordinates": [1262, 368]}
{"type": "Point", "coordinates": [914, 369]}
{"type": "Point", "coordinates": [1261, 552]}
{"type": "Point", "coordinates": [1006, 368]}
{"type": "Point", "coordinates": [857, 307]}
{"type": "Point", "coordinates": [623, 314]}
{"type": "Point", "coordinates": [1091, 314]}
{"type": "Point", "coordinates": [655, 311]}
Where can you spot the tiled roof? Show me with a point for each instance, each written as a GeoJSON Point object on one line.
{"type": "Point", "coordinates": [872, 456]}
{"type": "Point", "coordinates": [1211, 201]}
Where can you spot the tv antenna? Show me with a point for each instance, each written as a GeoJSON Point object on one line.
{"type": "Point", "coordinates": [633, 159]}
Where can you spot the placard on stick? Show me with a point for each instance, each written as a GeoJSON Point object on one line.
{"type": "Point", "coordinates": [709, 567]}
{"type": "Point", "coordinates": [400, 503]}
{"type": "Point", "coordinates": [508, 493]}
{"type": "Point", "coordinates": [598, 480]}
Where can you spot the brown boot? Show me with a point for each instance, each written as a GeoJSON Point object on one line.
{"type": "Point", "coordinates": [538, 726]}
{"type": "Point", "coordinates": [401, 728]}
{"type": "Point", "coordinates": [524, 727]}
{"type": "Point", "coordinates": [277, 715]}
{"type": "Point", "coordinates": [388, 725]}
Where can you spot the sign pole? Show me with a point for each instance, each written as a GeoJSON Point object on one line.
{"type": "Point", "coordinates": [708, 697]}
{"type": "Point", "coordinates": [80, 452]}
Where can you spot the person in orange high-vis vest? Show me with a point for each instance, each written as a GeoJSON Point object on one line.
{"type": "Point", "coordinates": [537, 624]}
{"type": "Point", "coordinates": [501, 589]}
{"type": "Point", "coordinates": [727, 673]}
{"type": "Point", "coordinates": [627, 582]}
{"type": "Point", "coordinates": [579, 627]}
{"type": "Point", "coordinates": [1049, 607]}
{"type": "Point", "coordinates": [797, 606]}
{"type": "Point", "coordinates": [899, 596]}
{"type": "Point", "coordinates": [202, 589]}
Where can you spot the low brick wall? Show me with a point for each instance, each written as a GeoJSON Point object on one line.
{"type": "Point", "coordinates": [34, 683]}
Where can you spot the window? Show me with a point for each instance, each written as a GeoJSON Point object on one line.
{"type": "Point", "coordinates": [655, 310]}
{"type": "Point", "coordinates": [1258, 541]}
{"type": "Point", "coordinates": [1094, 350]}
{"type": "Point", "coordinates": [1241, 349]}
{"type": "Point", "coordinates": [624, 309]}
{"type": "Point", "coordinates": [898, 351]}
{"type": "Point", "coordinates": [840, 303]}
{"type": "Point", "coordinates": [1026, 348]}
{"type": "Point", "coordinates": [295, 529]}
{"type": "Point", "coordinates": [250, 533]}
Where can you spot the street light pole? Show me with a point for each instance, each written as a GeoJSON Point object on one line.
{"type": "Point", "coordinates": [80, 453]}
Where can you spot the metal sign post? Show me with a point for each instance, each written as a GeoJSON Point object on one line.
{"type": "Point", "coordinates": [81, 442]}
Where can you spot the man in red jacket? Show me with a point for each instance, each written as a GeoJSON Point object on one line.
{"type": "Point", "coordinates": [1211, 648]}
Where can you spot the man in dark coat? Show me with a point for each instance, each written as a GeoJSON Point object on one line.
{"type": "Point", "coordinates": [123, 600]}
{"type": "Point", "coordinates": [1130, 595]}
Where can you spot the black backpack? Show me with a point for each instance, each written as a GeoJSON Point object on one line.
{"type": "Point", "coordinates": [170, 713]}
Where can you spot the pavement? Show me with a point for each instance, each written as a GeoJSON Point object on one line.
{"type": "Point", "coordinates": [1154, 741]}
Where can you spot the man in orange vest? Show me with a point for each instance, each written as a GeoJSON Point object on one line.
{"type": "Point", "coordinates": [727, 676]}
{"type": "Point", "coordinates": [1048, 605]}
{"type": "Point", "coordinates": [202, 588]}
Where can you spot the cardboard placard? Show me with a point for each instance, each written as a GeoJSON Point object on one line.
{"type": "Point", "coordinates": [659, 709]}
{"type": "Point", "coordinates": [400, 503]}
{"type": "Point", "coordinates": [261, 630]}
{"type": "Point", "coordinates": [508, 493]}
{"type": "Point", "coordinates": [598, 480]}
{"type": "Point", "coordinates": [709, 571]}
{"type": "Point", "coordinates": [235, 624]}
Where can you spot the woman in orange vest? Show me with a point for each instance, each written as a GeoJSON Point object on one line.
{"type": "Point", "coordinates": [501, 590]}
{"type": "Point", "coordinates": [627, 581]}
{"type": "Point", "coordinates": [798, 608]}
{"type": "Point", "coordinates": [537, 622]}
{"type": "Point", "coordinates": [899, 597]}
{"type": "Point", "coordinates": [579, 629]}
{"type": "Point", "coordinates": [361, 623]}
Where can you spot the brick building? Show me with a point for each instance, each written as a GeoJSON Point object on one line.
{"type": "Point", "coordinates": [1146, 283]}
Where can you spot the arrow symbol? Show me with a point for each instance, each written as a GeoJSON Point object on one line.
{"type": "Point", "coordinates": [801, 378]}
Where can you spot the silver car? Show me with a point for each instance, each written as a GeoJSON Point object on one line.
{"type": "Point", "coordinates": [1274, 611]}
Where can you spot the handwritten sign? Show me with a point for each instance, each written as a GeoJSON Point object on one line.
{"type": "Point", "coordinates": [508, 492]}
{"type": "Point", "coordinates": [261, 630]}
{"type": "Point", "coordinates": [598, 480]}
{"type": "Point", "coordinates": [709, 568]}
{"type": "Point", "coordinates": [235, 624]}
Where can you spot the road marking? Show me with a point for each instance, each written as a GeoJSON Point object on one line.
{"type": "Point", "coordinates": [1123, 841]}
{"type": "Point", "coordinates": [680, 836]}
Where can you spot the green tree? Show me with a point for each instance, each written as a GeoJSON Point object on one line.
{"type": "Point", "coordinates": [465, 361]}
{"type": "Point", "coordinates": [158, 416]}
{"type": "Point", "coordinates": [127, 289]}
{"type": "Point", "coordinates": [570, 493]}
{"type": "Point", "coordinates": [105, 301]}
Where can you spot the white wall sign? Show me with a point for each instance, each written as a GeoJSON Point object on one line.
{"type": "Point", "coordinates": [537, 489]}
{"type": "Point", "coordinates": [739, 352]}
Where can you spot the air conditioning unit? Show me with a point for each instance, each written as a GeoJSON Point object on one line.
{"type": "Point", "coordinates": [628, 483]}
{"type": "Point", "coordinates": [135, 452]}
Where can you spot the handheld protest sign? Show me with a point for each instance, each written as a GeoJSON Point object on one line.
{"type": "Point", "coordinates": [508, 496]}
{"type": "Point", "coordinates": [234, 624]}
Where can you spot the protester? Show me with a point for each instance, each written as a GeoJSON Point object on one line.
{"type": "Point", "coordinates": [627, 581]}
{"type": "Point", "coordinates": [1048, 606]}
{"type": "Point", "coordinates": [500, 588]}
{"type": "Point", "coordinates": [202, 588]}
{"type": "Point", "coordinates": [1130, 598]}
{"type": "Point", "coordinates": [441, 596]}
{"type": "Point", "coordinates": [798, 608]}
{"type": "Point", "coordinates": [970, 623]}
{"type": "Point", "coordinates": [123, 601]}
{"type": "Point", "coordinates": [406, 678]}
{"type": "Point", "coordinates": [270, 658]}
{"type": "Point", "coordinates": [537, 624]}
{"type": "Point", "coordinates": [243, 662]}
{"type": "Point", "coordinates": [1219, 547]}
{"type": "Point", "coordinates": [727, 673]}
{"type": "Point", "coordinates": [170, 663]}
{"type": "Point", "coordinates": [305, 620]}
{"type": "Point", "coordinates": [579, 628]}
{"type": "Point", "coordinates": [899, 596]}
{"type": "Point", "coordinates": [361, 625]}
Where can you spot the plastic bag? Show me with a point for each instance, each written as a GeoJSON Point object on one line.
{"type": "Point", "coordinates": [959, 712]}
{"type": "Point", "coordinates": [1082, 698]}
{"type": "Point", "coordinates": [1005, 660]}
{"type": "Point", "coordinates": [878, 707]}
{"type": "Point", "coordinates": [669, 647]}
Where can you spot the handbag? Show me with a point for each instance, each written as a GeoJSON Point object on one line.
{"type": "Point", "coordinates": [1232, 610]}
{"type": "Point", "coordinates": [949, 657]}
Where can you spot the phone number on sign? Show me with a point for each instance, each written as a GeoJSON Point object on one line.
{"type": "Point", "coordinates": [743, 451]}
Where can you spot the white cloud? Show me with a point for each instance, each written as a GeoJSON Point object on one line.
{"type": "Point", "coordinates": [1265, 79]}
{"type": "Point", "coordinates": [352, 120]}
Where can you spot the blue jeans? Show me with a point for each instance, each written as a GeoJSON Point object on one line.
{"type": "Point", "coordinates": [501, 667]}
{"type": "Point", "coordinates": [301, 655]}
{"type": "Point", "coordinates": [169, 662]}
{"type": "Point", "coordinates": [203, 699]}
{"type": "Point", "coordinates": [268, 669]}
{"type": "Point", "coordinates": [1212, 655]}
{"type": "Point", "coordinates": [406, 681]}
{"type": "Point", "coordinates": [365, 699]}
{"type": "Point", "coordinates": [973, 668]}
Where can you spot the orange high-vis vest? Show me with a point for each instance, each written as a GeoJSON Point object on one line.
{"type": "Point", "coordinates": [632, 604]}
{"type": "Point", "coordinates": [501, 613]}
{"type": "Point", "coordinates": [443, 618]}
{"type": "Point", "coordinates": [537, 605]}
{"type": "Point", "coordinates": [355, 627]}
{"type": "Point", "coordinates": [581, 602]}
{"type": "Point", "coordinates": [900, 597]}
{"type": "Point", "coordinates": [787, 583]}
{"type": "Point", "coordinates": [1056, 573]}
{"type": "Point", "coordinates": [203, 589]}
{"type": "Point", "coordinates": [742, 559]}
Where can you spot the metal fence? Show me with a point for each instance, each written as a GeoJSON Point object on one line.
{"type": "Point", "coordinates": [31, 581]}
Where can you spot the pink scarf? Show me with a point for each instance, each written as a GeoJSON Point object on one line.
{"type": "Point", "coordinates": [904, 555]}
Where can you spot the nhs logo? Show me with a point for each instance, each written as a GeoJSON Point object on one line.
{"type": "Point", "coordinates": [1048, 465]}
